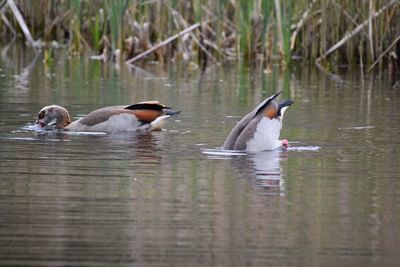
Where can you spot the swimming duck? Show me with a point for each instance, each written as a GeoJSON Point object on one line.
{"type": "Point", "coordinates": [149, 115]}
{"type": "Point", "coordinates": [259, 130]}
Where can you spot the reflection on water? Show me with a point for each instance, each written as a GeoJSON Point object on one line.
{"type": "Point", "coordinates": [161, 198]}
{"type": "Point", "coordinates": [304, 148]}
{"type": "Point", "coordinates": [267, 171]}
{"type": "Point", "coordinates": [263, 166]}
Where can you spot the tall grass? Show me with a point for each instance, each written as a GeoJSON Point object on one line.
{"type": "Point", "coordinates": [254, 31]}
{"type": "Point", "coordinates": [116, 10]}
{"type": "Point", "coordinates": [97, 29]}
{"type": "Point", "coordinates": [75, 27]}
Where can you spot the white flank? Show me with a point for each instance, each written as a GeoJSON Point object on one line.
{"type": "Point", "coordinates": [116, 123]}
{"type": "Point", "coordinates": [266, 136]}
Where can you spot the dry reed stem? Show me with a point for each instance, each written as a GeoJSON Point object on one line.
{"type": "Point", "coordinates": [371, 42]}
{"type": "Point", "coordinates": [56, 21]}
{"type": "Point", "coordinates": [185, 24]}
{"type": "Point", "coordinates": [300, 24]}
{"type": "Point", "coordinates": [164, 43]}
{"type": "Point", "coordinates": [350, 35]}
{"type": "Point", "coordinates": [8, 24]}
{"type": "Point", "coordinates": [22, 23]}
{"type": "Point", "coordinates": [349, 17]}
{"type": "Point", "coordinates": [229, 24]}
{"type": "Point", "coordinates": [384, 53]}
{"type": "Point", "coordinates": [279, 25]}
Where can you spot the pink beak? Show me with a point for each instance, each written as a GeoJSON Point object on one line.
{"type": "Point", "coordinates": [285, 143]}
{"type": "Point", "coordinates": [41, 124]}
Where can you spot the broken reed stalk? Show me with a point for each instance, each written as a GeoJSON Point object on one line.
{"type": "Point", "coordinates": [195, 39]}
{"type": "Point", "coordinates": [164, 43]}
{"type": "Point", "coordinates": [384, 53]}
{"type": "Point", "coordinates": [300, 24]}
{"type": "Point", "coordinates": [229, 24]}
{"type": "Point", "coordinates": [349, 17]}
{"type": "Point", "coordinates": [354, 32]}
{"type": "Point", "coordinates": [22, 23]}
{"type": "Point", "coordinates": [56, 21]}
{"type": "Point", "coordinates": [8, 24]}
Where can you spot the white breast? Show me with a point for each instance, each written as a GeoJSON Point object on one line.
{"type": "Point", "coordinates": [116, 123]}
{"type": "Point", "coordinates": [266, 136]}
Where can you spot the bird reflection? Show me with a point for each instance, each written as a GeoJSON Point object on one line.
{"type": "Point", "coordinates": [139, 146]}
{"type": "Point", "coordinates": [264, 168]}
{"type": "Point", "coordinates": [267, 170]}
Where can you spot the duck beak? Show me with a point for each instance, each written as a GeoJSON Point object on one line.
{"type": "Point", "coordinates": [283, 106]}
{"type": "Point", "coordinates": [285, 103]}
{"type": "Point", "coordinates": [171, 112]}
{"type": "Point", "coordinates": [43, 124]}
{"type": "Point", "coordinates": [40, 123]}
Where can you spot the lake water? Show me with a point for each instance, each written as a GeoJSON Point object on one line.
{"type": "Point", "coordinates": [172, 198]}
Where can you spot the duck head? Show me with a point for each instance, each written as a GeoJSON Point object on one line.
{"type": "Point", "coordinates": [53, 115]}
{"type": "Point", "coordinates": [274, 110]}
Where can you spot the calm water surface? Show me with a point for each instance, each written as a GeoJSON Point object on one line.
{"type": "Point", "coordinates": [171, 198]}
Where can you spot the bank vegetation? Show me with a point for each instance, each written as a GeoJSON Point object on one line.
{"type": "Point", "coordinates": [330, 33]}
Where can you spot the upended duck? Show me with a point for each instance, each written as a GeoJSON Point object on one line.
{"type": "Point", "coordinates": [149, 115]}
{"type": "Point", "coordinates": [260, 129]}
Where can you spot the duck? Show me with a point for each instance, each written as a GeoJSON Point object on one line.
{"type": "Point", "coordinates": [259, 130]}
{"type": "Point", "coordinates": [147, 115]}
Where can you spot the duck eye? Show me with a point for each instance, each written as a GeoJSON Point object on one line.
{"type": "Point", "coordinates": [41, 114]}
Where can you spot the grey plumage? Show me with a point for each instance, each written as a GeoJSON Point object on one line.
{"type": "Point", "coordinates": [144, 115]}
{"type": "Point", "coordinates": [103, 114]}
{"type": "Point", "coordinates": [247, 126]}
{"type": "Point", "coordinates": [246, 134]}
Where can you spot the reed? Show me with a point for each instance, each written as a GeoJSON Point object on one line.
{"type": "Point", "coordinates": [266, 9]}
{"type": "Point", "coordinates": [95, 30]}
{"type": "Point", "coordinates": [330, 32]}
{"type": "Point", "coordinates": [75, 27]}
{"type": "Point", "coordinates": [116, 13]}
{"type": "Point", "coordinates": [286, 33]}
